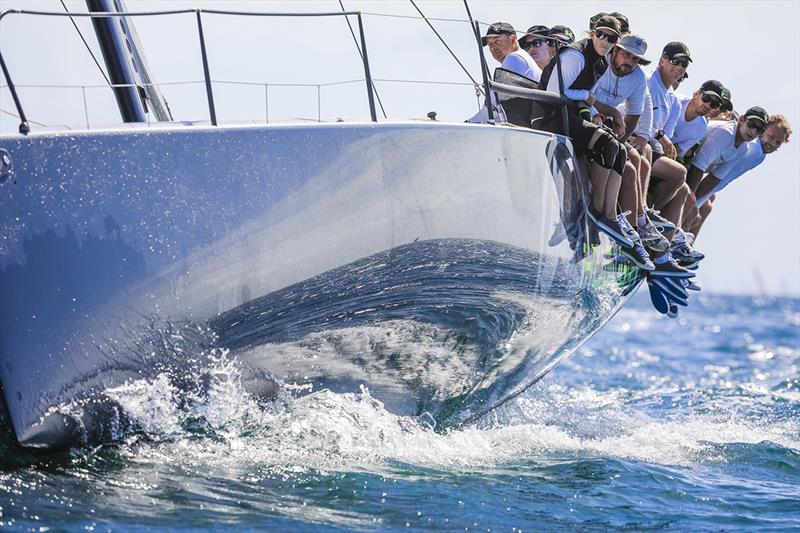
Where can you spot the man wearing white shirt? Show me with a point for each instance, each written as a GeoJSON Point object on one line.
{"type": "Point", "coordinates": [625, 82]}
{"type": "Point", "coordinates": [671, 175]}
{"type": "Point", "coordinates": [726, 142]}
{"type": "Point", "coordinates": [692, 124]}
{"type": "Point", "coordinates": [504, 47]}
{"type": "Point", "coordinates": [776, 133]}
{"type": "Point", "coordinates": [501, 38]}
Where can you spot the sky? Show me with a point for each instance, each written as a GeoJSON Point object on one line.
{"type": "Point", "coordinates": [312, 70]}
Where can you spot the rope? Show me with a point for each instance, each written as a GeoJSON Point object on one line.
{"type": "Point", "coordinates": [86, 44]}
{"type": "Point", "coordinates": [460, 64]}
{"type": "Point", "coordinates": [353, 33]}
{"type": "Point", "coordinates": [9, 113]}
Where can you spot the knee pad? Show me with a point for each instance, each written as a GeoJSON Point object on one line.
{"type": "Point", "coordinates": [621, 159]}
{"type": "Point", "coordinates": [604, 149]}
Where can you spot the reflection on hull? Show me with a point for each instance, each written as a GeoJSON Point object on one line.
{"type": "Point", "coordinates": [417, 261]}
{"type": "Point", "coordinates": [444, 327]}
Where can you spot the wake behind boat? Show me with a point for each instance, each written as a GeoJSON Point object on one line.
{"type": "Point", "coordinates": [445, 267]}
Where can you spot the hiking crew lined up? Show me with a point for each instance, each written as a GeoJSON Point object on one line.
{"type": "Point", "coordinates": [657, 158]}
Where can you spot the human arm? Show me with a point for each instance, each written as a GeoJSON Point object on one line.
{"type": "Point", "coordinates": [706, 186]}
{"type": "Point", "coordinates": [515, 63]}
{"type": "Point", "coordinates": [616, 116]}
{"type": "Point", "coordinates": [572, 63]}
{"type": "Point", "coordinates": [645, 125]}
{"type": "Point", "coordinates": [694, 177]}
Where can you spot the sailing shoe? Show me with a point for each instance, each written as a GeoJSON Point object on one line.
{"type": "Point", "coordinates": [638, 255]}
{"type": "Point", "coordinates": [671, 269]}
{"type": "Point", "coordinates": [691, 285]}
{"type": "Point", "coordinates": [652, 239]}
{"type": "Point", "coordinates": [658, 298]}
{"type": "Point", "coordinates": [673, 310]}
{"type": "Point", "coordinates": [685, 255]}
{"type": "Point", "coordinates": [661, 223]}
{"type": "Point", "coordinates": [673, 289]}
{"type": "Point", "coordinates": [612, 229]}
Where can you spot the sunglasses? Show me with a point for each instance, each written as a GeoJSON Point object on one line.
{"type": "Point", "coordinates": [682, 62]}
{"type": "Point", "coordinates": [535, 43]}
{"type": "Point", "coordinates": [603, 36]}
{"type": "Point", "coordinates": [756, 125]}
{"type": "Point", "coordinates": [715, 102]}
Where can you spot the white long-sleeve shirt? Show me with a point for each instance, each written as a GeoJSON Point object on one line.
{"type": "Point", "coordinates": [572, 63]}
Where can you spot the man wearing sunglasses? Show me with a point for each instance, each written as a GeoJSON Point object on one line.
{"type": "Point", "coordinates": [535, 43]}
{"type": "Point", "coordinates": [725, 143]}
{"type": "Point", "coordinates": [625, 82]}
{"type": "Point", "coordinates": [671, 175]}
{"type": "Point", "coordinates": [692, 123]}
{"type": "Point", "coordinates": [775, 135]}
{"type": "Point", "coordinates": [542, 42]}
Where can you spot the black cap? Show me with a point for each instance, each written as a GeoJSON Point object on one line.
{"type": "Point", "coordinates": [757, 113]}
{"type": "Point", "coordinates": [607, 22]}
{"type": "Point", "coordinates": [715, 88]}
{"type": "Point", "coordinates": [498, 28]}
{"type": "Point", "coordinates": [676, 50]}
{"type": "Point", "coordinates": [727, 105]}
{"type": "Point", "coordinates": [624, 25]}
{"type": "Point", "coordinates": [538, 30]}
{"type": "Point", "coordinates": [562, 33]}
{"type": "Point", "coordinates": [594, 19]}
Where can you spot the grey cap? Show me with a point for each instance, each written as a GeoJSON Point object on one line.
{"type": "Point", "coordinates": [635, 45]}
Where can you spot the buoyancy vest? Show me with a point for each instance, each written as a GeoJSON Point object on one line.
{"type": "Point", "coordinates": [594, 66]}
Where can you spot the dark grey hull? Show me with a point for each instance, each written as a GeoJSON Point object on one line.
{"type": "Point", "coordinates": [413, 259]}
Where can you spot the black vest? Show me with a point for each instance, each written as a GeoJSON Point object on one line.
{"type": "Point", "coordinates": [594, 66]}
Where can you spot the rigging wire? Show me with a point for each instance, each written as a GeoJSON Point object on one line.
{"type": "Point", "coordinates": [9, 113]}
{"type": "Point", "coordinates": [372, 82]}
{"type": "Point", "coordinates": [87, 45]}
{"type": "Point", "coordinates": [477, 85]}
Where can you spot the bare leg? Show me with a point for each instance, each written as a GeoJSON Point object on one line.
{"type": "Point", "coordinates": [600, 177]}
{"type": "Point", "coordinates": [672, 175]}
{"type": "Point", "coordinates": [690, 212]}
{"type": "Point", "coordinates": [628, 197]}
{"type": "Point", "coordinates": [612, 195]}
{"type": "Point", "coordinates": [644, 172]}
{"type": "Point", "coordinates": [705, 210]}
{"type": "Point", "coordinates": [644, 181]}
{"type": "Point", "coordinates": [673, 211]}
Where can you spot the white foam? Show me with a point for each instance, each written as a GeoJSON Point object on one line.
{"type": "Point", "coordinates": [328, 431]}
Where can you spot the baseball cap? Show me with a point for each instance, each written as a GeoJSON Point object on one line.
{"type": "Point", "coordinates": [607, 22]}
{"type": "Point", "coordinates": [538, 30]}
{"type": "Point", "coordinates": [562, 33]}
{"type": "Point", "coordinates": [624, 25]}
{"type": "Point", "coordinates": [757, 113]}
{"type": "Point", "coordinates": [635, 45]}
{"type": "Point", "coordinates": [498, 28]}
{"type": "Point", "coordinates": [676, 50]}
{"type": "Point", "coordinates": [714, 88]}
{"type": "Point", "coordinates": [595, 18]}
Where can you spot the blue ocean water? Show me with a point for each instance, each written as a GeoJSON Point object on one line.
{"type": "Point", "coordinates": [690, 424]}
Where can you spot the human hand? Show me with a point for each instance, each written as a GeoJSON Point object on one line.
{"type": "Point", "coordinates": [668, 147]}
{"type": "Point", "coordinates": [638, 142]}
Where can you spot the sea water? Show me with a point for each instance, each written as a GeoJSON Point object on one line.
{"type": "Point", "coordinates": [673, 424]}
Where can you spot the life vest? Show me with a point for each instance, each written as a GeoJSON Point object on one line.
{"type": "Point", "coordinates": [594, 66]}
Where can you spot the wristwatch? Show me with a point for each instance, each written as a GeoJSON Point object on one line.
{"type": "Point", "coordinates": [659, 134]}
